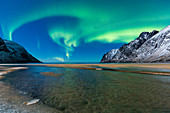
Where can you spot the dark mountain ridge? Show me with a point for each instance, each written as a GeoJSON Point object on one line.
{"type": "Point", "coordinates": [11, 52]}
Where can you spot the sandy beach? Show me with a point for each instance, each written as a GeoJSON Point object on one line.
{"type": "Point", "coordinates": [109, 65]}
{"type": "Point", "coordinates": [149, 65]}
{"type": "Point", "coordinates": [78, 87]}
{"type": "Point", "coordinates": [11, 101]}
{"type": "Point", "coordinates": [115, 67]}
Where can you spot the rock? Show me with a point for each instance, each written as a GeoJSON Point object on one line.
{"type": "Point", "coordinates": [11, 52]}
{"type": "Point", "coordinates": [109, 55]}
{"type": "Point", "coordinates": [99, 69]}
{"type": "Point", "coordinates": [147, 48]}
{"type": "Point", "coordinates": [32, 102]}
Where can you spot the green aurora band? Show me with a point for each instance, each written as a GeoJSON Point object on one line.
{"type": "Point", "coordinates": [106, 21]}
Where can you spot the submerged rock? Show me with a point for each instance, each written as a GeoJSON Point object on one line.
{"type": "Point", "coordinates": [147, 48]}
{"type": "Point", "coordinates": [11, 52]}
{"type": "Point", "coordinates": [32, 102]}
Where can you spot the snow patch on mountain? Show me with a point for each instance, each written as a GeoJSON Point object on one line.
{"type": "Point", "coordinates": [148, 47]}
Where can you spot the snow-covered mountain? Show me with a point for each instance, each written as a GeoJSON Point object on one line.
{"type": "Point", "coordinates": [148, 47]}
{"type": "Point", "coordinates": [11, 52]}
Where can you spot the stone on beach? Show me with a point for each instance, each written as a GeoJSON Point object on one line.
{"type": "Point", "coordinates": [32, 102]}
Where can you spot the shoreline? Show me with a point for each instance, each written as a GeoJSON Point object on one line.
{"type": "Point", "coordinates": [108, 67]}
{"type": "Point", "coordinates": [12, 101]}
{"type": "Point", "coordinates": [113, 67]}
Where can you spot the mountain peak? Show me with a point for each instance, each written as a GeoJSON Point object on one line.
{"type": "Point", "coordinates": [11, 52]}
{"type": "Point", "coordinates": [148, 47]}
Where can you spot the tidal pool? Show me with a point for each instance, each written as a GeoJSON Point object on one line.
{"type": "Point", "coordinates": [88, 91]}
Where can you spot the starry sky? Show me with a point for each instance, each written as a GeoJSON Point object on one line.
{"type": "Point", "coordinates": [79, 30]}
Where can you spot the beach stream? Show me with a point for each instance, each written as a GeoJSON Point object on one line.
{"type": "Point", "coordinates": [71, 90]}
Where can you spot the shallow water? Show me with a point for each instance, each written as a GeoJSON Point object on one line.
{"type": "Point", "coordinates": [87, 91]}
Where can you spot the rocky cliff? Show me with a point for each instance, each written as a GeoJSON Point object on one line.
{"type": "Point", "coordinates": [147, 48]}
{"type": "Point", "coordinates": [11, 52]}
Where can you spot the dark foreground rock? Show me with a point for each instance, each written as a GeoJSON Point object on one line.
{"type": "Point", "coordinates": [147, 48]}
{"type": "Point", "coordinates": [11, 52]}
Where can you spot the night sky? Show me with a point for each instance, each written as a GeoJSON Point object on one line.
{"type": "Point", "coordinates": [79, 30]}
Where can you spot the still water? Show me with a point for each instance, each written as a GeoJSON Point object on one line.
{"type": "Point", "coordinates": [92, 91]}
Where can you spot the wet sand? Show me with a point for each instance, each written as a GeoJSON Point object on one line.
{"type": "Point", "coordinates": [115, 67]}
{"type": "Point", "coordinates": [85, 90]}
{"type": "Point", "coordinates": [112, 67]}
{"type": "Point", "coordinates": [11, 101]}
{"type": "Point", "coordinates": [152, 65]}
{"type": "Point", "coordinates": [51, 74]}
{"type": "Point", "coordinates": [107, 65]}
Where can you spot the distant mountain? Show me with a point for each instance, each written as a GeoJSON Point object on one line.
{"type": "Point", "coordinates": [11, 52]}
{"type": "Point", "coordinates": [147, 48]}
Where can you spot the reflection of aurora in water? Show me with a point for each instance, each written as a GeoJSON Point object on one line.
{"type": "Point", "coordinates": [93, 91]}
{"type": "Point", "coordinates": [81, 22]}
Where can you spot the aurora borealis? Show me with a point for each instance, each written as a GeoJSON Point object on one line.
{"type": "Point", "coordinates": [78, 30]}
